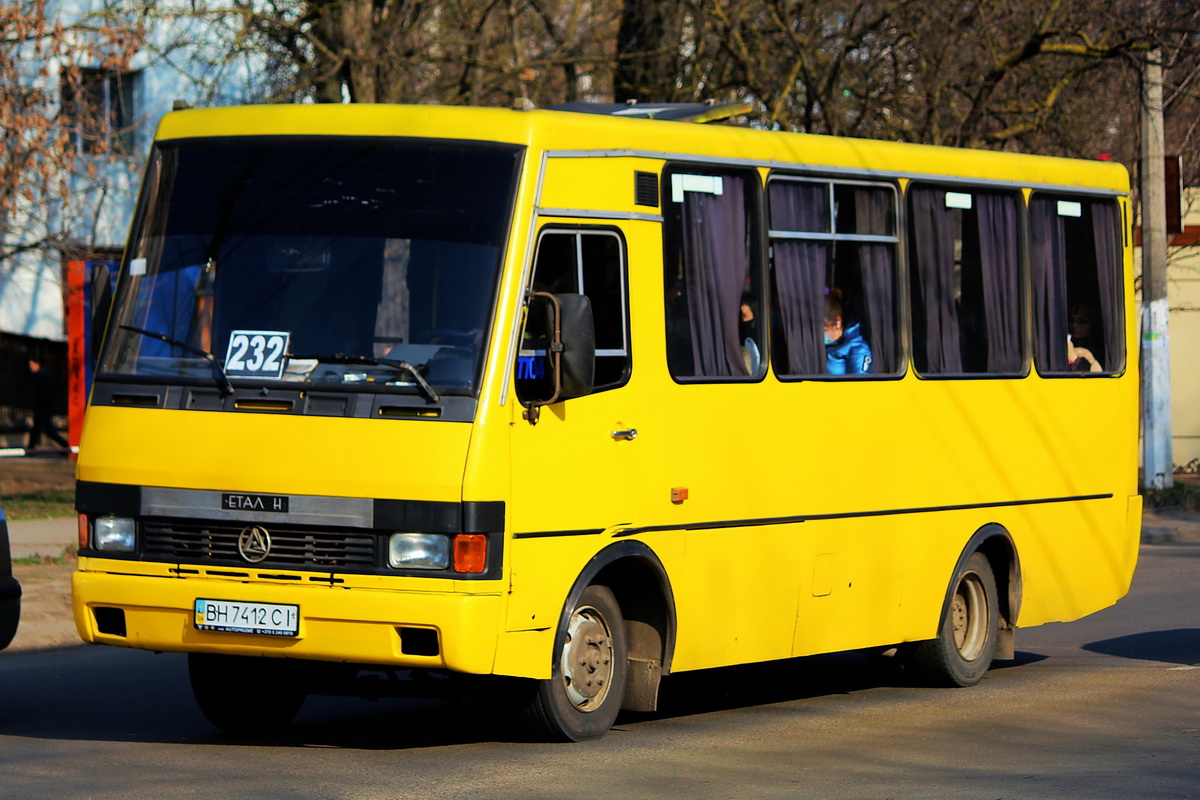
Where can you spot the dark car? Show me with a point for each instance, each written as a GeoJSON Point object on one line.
{"type": "Point", "coordinates": [10, 590]}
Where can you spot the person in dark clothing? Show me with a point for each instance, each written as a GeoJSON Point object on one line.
{"type": "Point", "coordinates": [43, 407]}
{"type": "Point", "coordinates": [846, 351]}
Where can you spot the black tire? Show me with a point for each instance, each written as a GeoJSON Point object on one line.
{"type": "Point", "coordinates": [10, 617]}
{"type": "Point", "coordinates": [966, 641]}
{"type": "Point", "coordinates": [245, 695]}
{"type": "Point", "coordinates": [587, 685]}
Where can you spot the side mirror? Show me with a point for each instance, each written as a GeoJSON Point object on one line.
{"type": "Point", "coordinates": [101, 306]}
{"type": "Point", "coordinates": [562, 325]}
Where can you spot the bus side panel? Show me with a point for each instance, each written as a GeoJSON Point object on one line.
{"type": "Point", "coordinates": [542, 573]}
{"type": "Point", "coordinates": [873, 586]}
{"type": "Point", "coordinates": [735, 596]}
{"type": "Point", "coordinates": [1075, 559]}
{"type": "Point", "coordinates": [889, 505]}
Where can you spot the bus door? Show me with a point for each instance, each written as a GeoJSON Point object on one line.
{"type": "Point", "coordinates": [572, 470]}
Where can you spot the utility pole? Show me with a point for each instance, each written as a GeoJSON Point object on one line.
{"type": "Point", "coordinates": [1157, 461]}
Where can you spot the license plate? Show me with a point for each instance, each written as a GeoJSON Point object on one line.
{"type": "Point", "coordinates": [236, 616]}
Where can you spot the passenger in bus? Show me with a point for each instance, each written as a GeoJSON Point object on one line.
{"type": "Point", "coordinates": [1080, 347]}
{"type": "Point", "coordinates": [846, 351]}
{"type": "Point", "coordinates": [748, 333]}
{"type": "Point", "coordinates": [1081, 325]}
{"type": "Point", "coordinates": [1080, 359]}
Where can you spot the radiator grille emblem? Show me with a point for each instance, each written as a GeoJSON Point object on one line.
{"type": "Point", "coordinates": [254, 544]}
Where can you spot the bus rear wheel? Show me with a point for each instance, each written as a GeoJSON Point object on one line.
{"type": "Point", "coordinates": [584, 693]}
{"type": "Point", "coordinates": [244, 695]}
{"type": "Point", "coordinates": [967, 635]}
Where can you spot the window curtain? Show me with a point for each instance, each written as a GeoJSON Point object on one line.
{"type": "Point", "coordinates": [935, 318]}
{"type": "Point", "coordinates": [999, 266]}
{"type": "Point", "coordinates": [873, 209]}
{"type": "Point", "coordinates": [800, 272]}
{"type": "Point", "coordinates": [715, 266]}
{"type": "Point", "coordinates": [1108, 272]}
{"type": "Point", "coordinates": [1048, 262]}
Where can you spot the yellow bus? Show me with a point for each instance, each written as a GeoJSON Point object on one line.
{"type": "Point", "coordinates": [587, 399]}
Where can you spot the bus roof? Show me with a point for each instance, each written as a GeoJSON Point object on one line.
{"type": "Point", "coordinates": [571, 133]}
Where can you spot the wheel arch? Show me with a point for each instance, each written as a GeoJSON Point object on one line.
{"type": "Point", "coordinates": [639, 581]}
{"type": "Point", "coordinates": [996, 544]}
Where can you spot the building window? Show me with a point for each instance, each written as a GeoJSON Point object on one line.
{"type": "Point", "coordinates": [99, 109]}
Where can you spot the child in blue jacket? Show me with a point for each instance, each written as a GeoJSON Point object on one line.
{"type": "Point", "coordinates": [846, 351]}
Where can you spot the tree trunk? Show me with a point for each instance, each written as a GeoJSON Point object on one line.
{"type": "Point", "coordinates": [648, 58]}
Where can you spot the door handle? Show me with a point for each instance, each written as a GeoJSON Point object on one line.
{"type": "Point", "coordinates": [627, 435]}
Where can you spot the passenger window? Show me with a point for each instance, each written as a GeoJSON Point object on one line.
{"type": "Point", "coordinates": [712, 285]}
{"type": "Point", "coordinates": [591, 263]}
{"type": "Point", "coordinates": [1075, 261]}
{"type": "Point", "coordinates": [964, 248]}
{"type": "Point", "coordinates": [833, 272]}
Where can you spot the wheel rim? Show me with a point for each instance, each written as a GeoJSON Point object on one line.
{"type": "Point", "coordinates": [968, 617]}
{"type": "Point", "coordinates": [587, 659]}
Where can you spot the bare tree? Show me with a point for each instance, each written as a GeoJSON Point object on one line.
{"type": "Point", "coordinates": [482, 52]}
{"type": "Point", "coordinates": [61, 125]}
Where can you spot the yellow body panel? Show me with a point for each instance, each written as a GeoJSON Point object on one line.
{"type": "Point", "coordinates": [336, 624]}
{"type": "Point", "coordinates": [606, 179]}
{"type": "Point", "coordinates": [274, 453]}
{"type": "Point", "coordinates": [882, 483]}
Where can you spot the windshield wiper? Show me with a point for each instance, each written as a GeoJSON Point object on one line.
{"type": "Point", "coordinates": [347, 358]}
{"type": "Point", "coordinates": [218, 371]}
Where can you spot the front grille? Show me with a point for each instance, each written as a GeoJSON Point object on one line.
{"type": "Point", "coordinates": [292, 546]}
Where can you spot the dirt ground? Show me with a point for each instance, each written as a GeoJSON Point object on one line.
{"type": "Point", "coordinates": [46, 588]}
{"type": "Point", "coordinates": [46, 619]}
{"type": "Point", "coordinates": [22, 475]}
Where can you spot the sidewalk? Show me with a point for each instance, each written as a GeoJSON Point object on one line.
{"type": "Point", "coordinates": [42, 537]}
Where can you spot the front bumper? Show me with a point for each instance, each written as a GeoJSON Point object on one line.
{"type": "Point", "coordinates": [358, 625]}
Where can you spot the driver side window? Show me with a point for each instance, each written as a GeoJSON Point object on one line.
{"type": "Point", "coordinates": [591, 263]}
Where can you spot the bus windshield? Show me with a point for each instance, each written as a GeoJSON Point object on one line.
{"type": "Point", "coordinates": [363, 264]}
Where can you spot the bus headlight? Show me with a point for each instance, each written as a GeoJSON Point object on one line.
{"type": "Point", "coordinates": [114, 534]}
{"type": "Point", "coordinates": [418, 551]}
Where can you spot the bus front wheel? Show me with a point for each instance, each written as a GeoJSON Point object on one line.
{"type": "Point", "coordinates": [584, 693]}
{"type": "Point", "coordinates": [967, 635]}
{"type": "Point", "coordinates": [244, 695]}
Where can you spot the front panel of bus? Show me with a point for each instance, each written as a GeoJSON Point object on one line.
{"type": "Point", "coordinates": [284, 405]}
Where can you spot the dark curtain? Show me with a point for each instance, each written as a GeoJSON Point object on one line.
{"type": "Point", "coordinates": [715, 266]}
{"type": "Point", "coordinates": [999, 264]}
{"type": "Point", "coordinates": [935, 318]}
{"type": "Point", "coordinates": [873, 209]}
{"type": "Point", "coordinates": [800, 272]}
{"type": "Point", "coordinates": [1108, 272]}
{"type": "Point", "coordinates": [1048, 262]}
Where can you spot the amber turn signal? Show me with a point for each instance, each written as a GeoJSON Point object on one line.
{"type": "Point", "coordinates": [470, 552]}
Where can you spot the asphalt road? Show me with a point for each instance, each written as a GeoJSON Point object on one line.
{"type": "Point", "coordinates": [1106, 707]}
